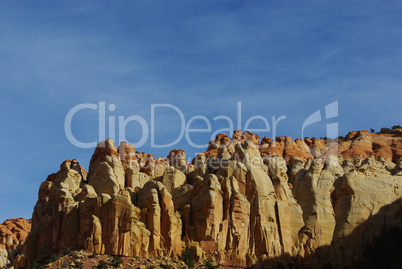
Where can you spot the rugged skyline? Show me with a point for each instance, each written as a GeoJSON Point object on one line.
{"type": "Point", "coordinates": [243, 201]}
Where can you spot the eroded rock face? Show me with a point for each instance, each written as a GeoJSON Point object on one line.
{"type": "Point", "coordinates": [289, 212]}
{"type": "Point", "coordinates": [234, 238]}
{"type": "Point", "coordinates": [363, 194]}
{"type": "Point", "coordinates": [177, 159]}
{"type": "Point", "coordinates": [207, 208]}
{"type": "Point", "coordinates": [314, 197]}
{"type": "Point", "coordinates": [106, 172]}
{"type": "Point", "coordinates": [240, 202]}
{"type": "Point", "coordinates": [161, 220]}
{"type": "Point", "coordinates": [97, 216]}
{"type": "Point", "coordinates": [173, 178]}
{"type": "Point", "coordinates": [13, 233]}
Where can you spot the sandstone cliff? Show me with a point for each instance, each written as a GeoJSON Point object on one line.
{"type": "Point", "coordinates": [240, 202]}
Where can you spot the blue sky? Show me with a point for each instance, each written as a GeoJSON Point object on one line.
{"type": "Point", "coordinates": [278, 58]}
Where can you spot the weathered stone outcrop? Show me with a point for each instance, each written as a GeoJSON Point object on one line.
{"type": "Point", "coordinates": [133, 176]}
{"type": "Point", "coordinates": [97, 215]}
{"type": "Point", "coordinates": [13, 233]}
{"type": "Point", "coordinates": [362, 193]}
{"type": "Point", "coordinates": [161, 219]}
{"type": "Point", "coordinates": [177, 159]}
{"type": "Point", "coordinates": [106, 172]}
{"type": "Point", "coordinates": [285, 147]}
{"type": "Point", "coordinates": [234, 237]}
{"type": "Point", "coordinates": [207, 208]}
{"type": "Point", "coordinates": [314, 196]}
{"type": "Point", "coordinates": [289, 212]}
{"type": "Point", "coordinates": [173, 178]}
{"type": "Point", "coordinates": [242, 201]}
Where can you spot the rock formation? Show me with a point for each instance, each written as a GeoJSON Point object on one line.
{"type": "Point", "coordinates": [13, 233]}
{"type": "Point", "coordinates": [240, 202]}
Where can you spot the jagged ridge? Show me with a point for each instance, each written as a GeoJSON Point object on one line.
{"type": "Point", "coordinates": [241, 201]}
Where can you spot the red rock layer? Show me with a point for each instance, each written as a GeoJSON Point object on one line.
{"type": "Point", "coordinates": [14, 231]}
{"type": "Point", "coordinates": [361, 144]}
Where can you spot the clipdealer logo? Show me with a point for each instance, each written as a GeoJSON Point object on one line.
{"type": "Point", "coordinates": [148, 130]}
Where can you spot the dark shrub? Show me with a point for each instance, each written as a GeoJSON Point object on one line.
{"type": "Point", "coordinates": [187, 257]}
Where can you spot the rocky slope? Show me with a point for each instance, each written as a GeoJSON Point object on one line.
{"type": "Point", "coordinates": [83, 260]}
{"type": "Point", "coordinates": [244, 200]}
